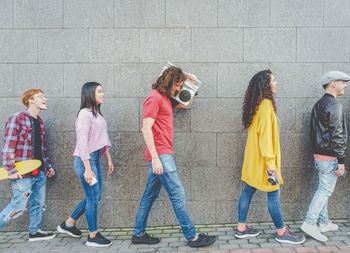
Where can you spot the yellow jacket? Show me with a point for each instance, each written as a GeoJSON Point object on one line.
{"type": "Point", "coordinates": [262, 150]}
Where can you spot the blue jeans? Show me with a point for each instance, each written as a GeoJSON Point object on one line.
{"type": "Point", "coordinates": [93, 193]}
{"type": "Point", "coordinates": [318, 209]}
{"type": "Point", "coordinates": [273, 204]}
{"type": "Point", "coordinates": [171, 181]}
{"type": "Point", "coordinates": [32, 189]}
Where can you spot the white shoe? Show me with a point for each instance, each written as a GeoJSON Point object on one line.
{"type": "Point", "coordinates": [313, 231]}
{"type": "Point", "coordinates": [328, 227]}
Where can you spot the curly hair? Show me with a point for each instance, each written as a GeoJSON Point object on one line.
{"type": "Point", "coordinates": [258, 89]}
{"type": "Point", "coordinates": [166, 80]}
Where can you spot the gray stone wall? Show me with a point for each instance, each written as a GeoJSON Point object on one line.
{"type": "Point", "coordinates": [57, 45]}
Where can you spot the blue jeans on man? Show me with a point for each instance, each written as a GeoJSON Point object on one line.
{"type": "Point", "coordinates": [171, 182]}
{"type": "Point", "coordinates": [318, 209]}
{"type": "Point", "coordinates": [32, 189]}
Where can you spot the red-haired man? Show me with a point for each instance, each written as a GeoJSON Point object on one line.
{"type": "Point", "coordinates": [25, 140]}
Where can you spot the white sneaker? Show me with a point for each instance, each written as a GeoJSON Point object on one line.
{"type": "Point", "coordinates": [313, 231]}
{"type": "Point", "coordinates": [328, 227]}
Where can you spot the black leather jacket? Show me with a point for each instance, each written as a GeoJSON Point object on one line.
{"type": "Point", "coordinates": [328, 128]}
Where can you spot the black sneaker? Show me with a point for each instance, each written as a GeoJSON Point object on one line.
{"type": "Point", "coordinates": [248, 232]}
{"type": "Point", "coordinates": [144, 239]}
{"type": "Point", "coordinates": [202, 241]}
{"type": "Point", "coordinates": [40, 236]}
{"type": "Point", "coordinates": [98, 241]}
{"type": "Point", "coordinates": [72, 231]}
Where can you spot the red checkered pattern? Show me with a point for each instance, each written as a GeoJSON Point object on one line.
{"type": "Point", "coordinates": [18, 142]}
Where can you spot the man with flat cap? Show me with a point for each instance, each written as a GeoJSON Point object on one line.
{"type": "Point", "coordinates": [328, 139]}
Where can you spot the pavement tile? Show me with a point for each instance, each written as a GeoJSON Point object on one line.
{"type": "Point", "coordinates": [163, 235]}
{"type": "Point", "coordinates": [339, 238]}
{"type": "Point", "coordinates": [306, 249]}
{"type": "Point", "coordinates": [124, 237]}
{"type": "Point", "coordinates": [224, 237]}
{"type": "Point", "coordinates": [311, 243]}
{"type": "Point", "coordinates": [328, 249]}
{"type": "Point", "coordinates": [241, 251]}
{"type": "Point", "coordinates": [219, 233]}
{"type": "Point", "coordinates": [284, 250]}
{"type": "Point", "coordinates": [207, 229]}
{"type": "Point", "coordinates": [262, 250]}
{"type": "Point", "coordinates": [167, 249]}
{"type": "Point", "coordinates": [344, 248]}
{"type": "Point", "coordinates": [225, 229]}
{"type": "Point", "coordinates": [334, 243]}
{"type": "Point", "coordinates": [228, 246]}
{"type": "Point", "coordinates": [270, 245]}
{"type": "Point", "coordinates": [249, 246]}
{"type": "Point", "coordinates": [257, 240]}
{"type": "Point", "coordinates": [170, 239]}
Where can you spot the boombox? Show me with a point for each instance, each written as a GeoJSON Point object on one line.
{"type": "Point", "coordinates": [188, 90]}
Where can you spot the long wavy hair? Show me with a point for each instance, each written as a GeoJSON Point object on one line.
{"type": "Point", "coordinates": [88, 98]}
{"type": "Point", "coordinates": [258, 89]}
{"type": "Point", "coordinates": [166, 80]}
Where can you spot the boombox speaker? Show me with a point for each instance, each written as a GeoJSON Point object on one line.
{"type": "Point", "coordinates": [188, 90]}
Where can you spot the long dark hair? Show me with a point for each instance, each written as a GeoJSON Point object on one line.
{"type": "Point", "coordinates": [88, 98]}
{"type": "Point", "coordinates": [258, 89]}
{"type": "Point", "coordinates": [169, 76]}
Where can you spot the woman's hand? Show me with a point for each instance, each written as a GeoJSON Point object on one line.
{"type": "Point", "coordinates": [110, 167]}
{"type": "Point", "coordinates": [273, 172]}
{"type": "Point", "coordinates": [109, 162]}
{"type": "Point", "coordinates": [88, 175]}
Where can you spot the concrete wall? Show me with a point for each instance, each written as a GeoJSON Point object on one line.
{"type": "Point", "coordinates": [57, 45]}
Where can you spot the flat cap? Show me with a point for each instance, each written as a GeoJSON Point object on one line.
{"type": "Point", "coordinates": [334, 76]}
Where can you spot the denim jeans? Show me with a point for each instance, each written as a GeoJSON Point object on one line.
{"type": "Point", "coordinates": [93, 193]}
{"type": "Point", "coordinates": [273, 204]}
{"type": "Point", "coordinates": [32, 189]}
{"type": "Point", "coordinates": [318, 209]}
{"type": "Point", "coordinates": [172, 184]}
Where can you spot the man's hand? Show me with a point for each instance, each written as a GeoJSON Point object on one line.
{"type": "Point", "coordinates": [192, 78]}
{"type": "Point", "coordinates": [15, 176]}
{"type": "Point", "coordinates": [50, 172]}
{"type": "Point", "coordinates": [340, 170]}
{"type": "Point", "coordinates": [157, 166]}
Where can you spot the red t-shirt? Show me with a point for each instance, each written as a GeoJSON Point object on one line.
{"type": "Point", "coordinates": [159, 107]}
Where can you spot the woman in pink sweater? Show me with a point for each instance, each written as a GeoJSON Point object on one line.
{"type": "Point", "coordinates": [92, 143]}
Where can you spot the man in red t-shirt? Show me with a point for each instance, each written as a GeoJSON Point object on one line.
{"type": "Point", "coordinates": [157, 131]}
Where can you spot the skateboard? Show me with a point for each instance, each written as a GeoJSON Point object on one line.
{"type": "Point", "coordinates": [23, 167]}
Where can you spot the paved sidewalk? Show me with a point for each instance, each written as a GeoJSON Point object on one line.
{"type": "Point", "coordinates": [172, 240]}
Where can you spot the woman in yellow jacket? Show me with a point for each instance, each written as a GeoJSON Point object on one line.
{"type": "Point", "coordinates": [262, 157]}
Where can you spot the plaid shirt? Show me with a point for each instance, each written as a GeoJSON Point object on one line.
{"type": "Point", "coordinates": [18, 142]}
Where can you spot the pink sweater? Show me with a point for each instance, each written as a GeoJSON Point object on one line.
{"type": "Point", "coordinates": [91, 134]}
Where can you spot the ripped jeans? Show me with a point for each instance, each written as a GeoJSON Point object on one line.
{"type": "Point", "coordinates": [33, 189]}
